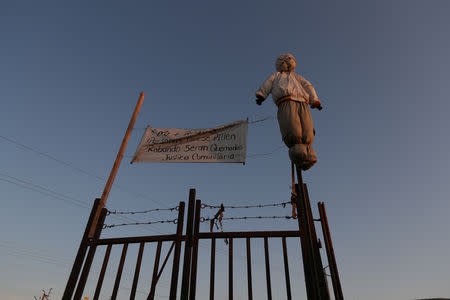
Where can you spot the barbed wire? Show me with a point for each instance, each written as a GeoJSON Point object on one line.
{"type": "Point", "coordinates": [174, 221]}
{"type": "Point", "coordinates": [283, 204]}
{"type": "Point", "coordinates": [115, 212]}
{"type": "Point", "coordinates": [203, 219]}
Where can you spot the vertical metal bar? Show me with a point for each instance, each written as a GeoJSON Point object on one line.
{"type": "Point", "coordinates": [322, 282]}
{"type": "Point", "coordinates": [176, 255]}
{"type": "Point", "coordinates": [90, 256]}
{"type": "Point", "coordinates": [249, 270]}
{"type": "Point", "coordinates": [266, 255]}
{"type": "Point", "coordinates": [102, 273]}
{"type": "Point", "coordinates": [151, 296]}
{"type": "Point", "coordinates": [286, 269]}
{"type": "Point", "coordinates": [213, 269]}
{"type": "Point", "coordinates": [119, 271]}
{"type": "Point", "coordinates": [193, 279]}
{"type": "Point", "coordinates": [337, 288]}
{"type": "Point", "coordinates": [82, 249]}
{"type": "Point", "coordinates": [305, 240]}
{"type": "Point", "coordinates": [136, 271]}
{"type": "Point", "coordinates": [317, 281]}
{"type": "Point", "coordinates": [230, 268]}
{"type": "Point", "coordinates": [123, 146]}
{"type": "Point", "coordinates": [185, 280]}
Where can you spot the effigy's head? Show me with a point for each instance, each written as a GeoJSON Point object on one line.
{"type": "Point", "coordinates": [285, 63]}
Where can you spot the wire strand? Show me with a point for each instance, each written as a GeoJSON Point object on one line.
{"type": "Point", "coordinates": [80, 170]}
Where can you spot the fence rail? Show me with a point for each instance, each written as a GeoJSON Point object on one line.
{"type": "Point", "coordinates": [314, 273]}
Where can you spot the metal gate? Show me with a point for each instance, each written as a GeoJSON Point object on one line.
{"type": "Point", "coordinates": [315, 277]}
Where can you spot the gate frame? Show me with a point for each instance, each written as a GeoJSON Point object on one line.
{"type": "Point", "coordinates": [315, 280]}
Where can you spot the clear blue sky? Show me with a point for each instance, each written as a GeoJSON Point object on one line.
{"type": "Point", "coordinates": [70, 75]}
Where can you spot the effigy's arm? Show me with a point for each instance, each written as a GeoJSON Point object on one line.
{"type": "Point", "coordinates": [313, 99]}
{"type": "Point", "coordinates": [265, 89]}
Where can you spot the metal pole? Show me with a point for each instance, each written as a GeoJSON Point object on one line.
{"type": "Point", "coordinates": [119, 272]}
{"type": "Point", "coordinates": [249, 270]}
{"type": "Point", "coordinates": [305, 241]}
{"type": "Point", "coordinates": [90, 257]}
{"type": "Point", "coordinates": [151, 296]}
{"type": "Point", "coordinates": [286, 269]}
{"type": "Point", "coordinates": [136, 271]}
{"type": "Point", "coordinates": [322, 282]}
{"type": "Point", "coordinates": [317, 284]}
{"type": "Point", "coordinates": [102, 273]}
{"type": "Point", "coordinates": [213, 269]}
{"type": "Point", "coordinates": [78, 263]}
{"type": "Point", "coordinates": [337, 288]}
{"type": "Point", "coordinates": [185, 280]}
{"type": "Point", "coordinates": [230, 269]}
{"type": "Point", "coordinates": [119, 157]}
{"type": "Point", "coordinates": [176, 255]}
{"type": "Point", "coordinates": [192, 289]}
{"type": "Point", "coordinates": [266, 255]}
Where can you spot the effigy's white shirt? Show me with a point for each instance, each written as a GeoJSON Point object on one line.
{"type": "Point", "coordinates": [288, 84]}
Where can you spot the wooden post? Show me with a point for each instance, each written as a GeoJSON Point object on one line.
{"type": "Point", "coordinates": [118, 160]}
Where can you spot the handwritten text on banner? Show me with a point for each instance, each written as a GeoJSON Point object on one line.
{"type": "Point", "coordinates": [223, 144]}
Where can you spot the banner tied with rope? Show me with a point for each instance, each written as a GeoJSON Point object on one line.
{"type": "Point", "coordinates": [223, 144]}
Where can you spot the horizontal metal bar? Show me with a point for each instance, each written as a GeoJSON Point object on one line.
{"type": "Point", "coordinates": [200, 235]}
{"type": "Point", "coordinates": [248, 234]}
{"type": "Point", "coordinates": [139, 239]}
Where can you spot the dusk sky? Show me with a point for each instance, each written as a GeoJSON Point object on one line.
{"type": "Point", "coordinates": [70, 76]}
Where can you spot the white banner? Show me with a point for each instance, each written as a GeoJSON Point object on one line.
{"type": "Point", "coordinates": [223, 144]}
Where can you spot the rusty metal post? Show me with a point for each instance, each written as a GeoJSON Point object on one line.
{"type": "Point", "coordinates": [193, 278]}
{"type": "Point", "coordinates": [176, 255]}
{"type": "Point", "coordinates": [185, 279]}
{"type": "Point", "coordinates": [307, 242]}
{"type": "Point", "coordinates": [82, 249]}
{"type": "Point", "coordinates": [322, 283]}
{"type": "Point", "coordinates": [337, 288]}
{"type": "Point", "coordinates": [90, 256]}
{"type": "Point", "coordinates": [316, 285]}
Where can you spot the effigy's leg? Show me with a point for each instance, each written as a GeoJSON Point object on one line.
{"type": "Point", "coordinates": [290, 124]}
{"type": "Point", "coordinates": [307, 124]}
{"type": "Point", "coordinates": [297, 131]}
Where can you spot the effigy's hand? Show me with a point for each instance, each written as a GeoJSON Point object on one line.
{"type": "Point", "coordinates": [259, 101]}
{"type": "Point", "coordinates": [317, 105]}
